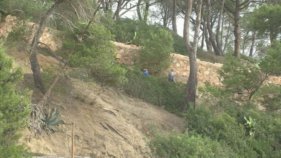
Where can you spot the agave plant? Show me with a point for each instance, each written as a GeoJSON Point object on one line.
{"type": "Point", "coordinates": [51, 120]}
{"type": "Point", "coordinates": [249, 125]}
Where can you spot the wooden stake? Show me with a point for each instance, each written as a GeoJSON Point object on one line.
{"type": "Point", "coordinates": [72, 141]}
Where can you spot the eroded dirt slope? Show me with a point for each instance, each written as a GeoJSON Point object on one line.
{"type": "Point", "coordinates": [107, 124]}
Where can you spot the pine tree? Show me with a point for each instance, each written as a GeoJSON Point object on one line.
{"type": "Point", "coordinates": [13, 109]}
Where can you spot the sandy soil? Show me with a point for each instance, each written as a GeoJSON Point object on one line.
{"type": "Point", "coordinates": [107, 123]}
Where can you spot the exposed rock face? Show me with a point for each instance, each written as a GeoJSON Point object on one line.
{"type": "Point", "coordinates": [48, 38]}
{"type": "Point", "coordinates": [7, 26]}
{"type": "Point", "coordinates": [207, 72]}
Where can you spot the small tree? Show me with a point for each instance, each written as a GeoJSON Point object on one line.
{"type": "Point", "coordinates": [241, 76]}
{"type": "Point", "coordinates": [13, 109]}
{"type": "Point", "coordinates": [156, 50]}
{"type": "Point", "coordinates": [271, 63]}
{"type": "Point", "coordinates": [95, 52]}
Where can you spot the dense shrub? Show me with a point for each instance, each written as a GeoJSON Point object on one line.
{"type": "Point", "coordinates": [270, 97]}
{"type": "Point", "coordinates": [271, 64]}
{"type": "Point", "coordinates": [125, 30]}
{"type": "Point", "coordinates": [95, 52]}
{"type": "Point", "coordinates": [18, 34]}
{"type": "Point", "coordinates": [155, 54]}
{"type": "Point", "coordinates": [156, 42]}
{"type": "Point", "coordinates": [246, 130]}
{"type": "Point", "coordinates": [13, 109]}
{"type": "Point", "coordinates": [25, 8]}
{"type": "Point", "coordinates": [241, 76]}
{"type": "Point", "coordinates": [189, 146]}
{"type": "Point", "coordinates": [179, 44]}
{"type": "Point", "coordinates": [158, 91]}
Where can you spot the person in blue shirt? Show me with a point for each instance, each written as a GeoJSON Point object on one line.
{"type": "Point", "coordinates": [171, 76]}
{"type": "Point", "coordinates": [145, 73]}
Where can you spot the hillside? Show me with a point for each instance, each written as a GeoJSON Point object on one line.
{"type": "Point", "coordinates": [107, 122]}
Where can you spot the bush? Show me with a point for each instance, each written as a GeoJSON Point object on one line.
{"type": "Point", "coordinates": [228, 125]}
{"type": "Point", "coordinates": [271, 64]}
{"type": "Point", "coordinates": [155, 54]}
{"type": "Point", "coordinates": [271, 97]}
{"type": "Point", "coordinates": [24, 8]}
{"type": "Point", "coordinates": [13, 109]}
{"type": "Point", "coordinates": [158, 91]}
{"type": "Point", "coordinates": [241, 76]}
{"type": "Point", "coordinates": [125, 30]}
{"type": "Point", "coordinates": [18, 34]}
{"type": "Point", "coordinates": [189, 146]}
{"type": "Point", "coordinates": [179, 44]}
{"type": "Point", "coordinates": [96, 53]}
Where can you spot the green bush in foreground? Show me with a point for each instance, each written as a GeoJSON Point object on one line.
{"type": "Point", "coordinates": [189, 146]}
{"type": "Point", "coordinates": [229, 125]}
{"type": "Point", "coordinates": [13, 110]}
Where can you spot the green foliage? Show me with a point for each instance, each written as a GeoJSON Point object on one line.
{"type": "Point", "coordinates": [156, 42]}
{"type": "Point", "coordinates": [52, 120]}
{"type": "Point", "coordinates": [125, 30]}
{"type": "Point", "coordinates": [266, 19]}
{"type": "Point", "coordinates": [96, 53]}
{"type": "Point", "coordinates": [155, 53]}
{"type": "Point", "coordinates": [18, 34]}
{"type": "Point", "coordinates": [25, 8]}
{"type": "Point", "coordinates": [13, 109]}
{"type": "Point", "coordinates": [242, 76]}
{"type": "Point", "coordinates": [250, 133]}
{"type": "Point", "coordinates": [179, 44]}
{"type": "Point", "coordinates": [189, 146]}
{"type": "Point", "coordinates": [271, 64]}
{"type": "Point", "coordinates": [158, 91]}
{"type": "Point", "coordinates": [271, 97]}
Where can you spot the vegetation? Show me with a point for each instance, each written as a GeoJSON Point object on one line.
{"type": "Point", "coordinates": [158, 91]}
{"type": "Point", "coordinates": [240, 119]}
{"type": "Point", "coordinates": [96, 53]}
{"type": "Point", "coordinates": [155, 54]}
{"type": "Point", "coordinates": [189, 146]}
{"type": "Point", "coordinates": [14, 109]}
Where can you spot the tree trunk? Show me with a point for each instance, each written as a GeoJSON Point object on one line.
{"type": "Point", "coordinates": [174, 16]}
{"type": "Point", "coordinates": [117, 12]}
{"type": "Point", "coordinates": [35, 67]}
{"type": "Point", "coordinates": [203, 37]}
{"type": "Point", "coordinates": [92, 18]}
{"type": "Point", "coordinates": [237, 32]}
{"type": "Point", "coordinates": [218, 39]}
{"type": "Point", "coordinates": [210, 30]}
{"type": "Point", "coordinates": [192, 79]}
{"type": "Point", "coordinates": [208, 43]}
{"type": "Point", "coordinates": [227, 37]}
{"type": "Point", "coordinates": [253, 44]}
{"type": "Point", "coordinates": [146, 11]}
{"type": "Point", "coordinates": [139, 10]}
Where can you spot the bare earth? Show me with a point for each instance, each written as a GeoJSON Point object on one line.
{"type": "Point", "coordinates": [107, 124]}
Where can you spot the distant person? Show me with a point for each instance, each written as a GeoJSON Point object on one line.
{"type": "Point", "coordinates": [171, 76]}
{"type": "Point", "coordinates": [145, 73]}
